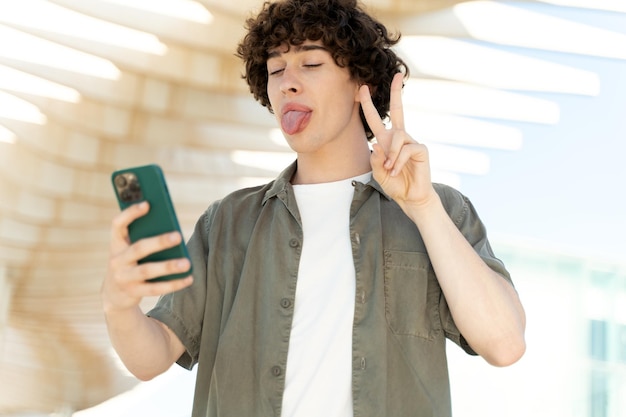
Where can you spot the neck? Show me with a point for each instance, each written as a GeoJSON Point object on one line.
{"type": "Point", "coordinates": [316, 169]}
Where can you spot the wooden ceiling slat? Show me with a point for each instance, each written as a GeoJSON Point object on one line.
{"type": "Point", "coordinates": [220, 35]}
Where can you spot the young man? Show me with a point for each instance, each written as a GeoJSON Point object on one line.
{"type": "Point", "coordinates": [331, 290]}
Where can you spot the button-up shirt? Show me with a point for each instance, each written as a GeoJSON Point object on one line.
{"type": "Point", "coordinates": [235, 319]}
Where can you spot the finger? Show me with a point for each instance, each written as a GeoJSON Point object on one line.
{"type": "Point", "coordinates": [377, 161]}
{"type": "Point", "coordinates": [151, 270]}
{"type": "Point", "coordinates": [148, 271]}
{"type": "Point", "coordinates": [399, 140]}
{"type": "Point", "coordinates": [120, 223]}
{"type": "Point", "coordinates": [124, 263]}
{"type": "Point", "coordinates": [371, 114]}
{"type": "Point", "coordinates": [396, 111]}
{"type": "Point", "coordinates": [165, 287]}
{"type": "Point", "coordinates": [414, 151]}
{"type": "Point", "coordinates": [126, 275]}
{"type": "Point", "coordinates": [378, 157]}
{"type": "Point", "coordinates": [131, 294]}
{"type": "Point", "coordinates": [150, 245]}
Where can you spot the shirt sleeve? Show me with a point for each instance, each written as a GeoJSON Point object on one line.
{"type": "Point", "coordinates": [466, 219]}
{"type": "Point", "coordinates": [183, 311]}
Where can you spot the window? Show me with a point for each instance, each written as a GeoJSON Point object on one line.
{"type": "Point", "coordinates": [598, 336]}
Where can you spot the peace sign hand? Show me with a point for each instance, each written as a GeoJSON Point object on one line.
{"type": "Point", "coordinates": [399, 163]}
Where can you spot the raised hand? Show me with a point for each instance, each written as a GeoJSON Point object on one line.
{"type": "Point", "coordinates": [399, 163]}
{"type": "Point", "coordinates": [125, 284]}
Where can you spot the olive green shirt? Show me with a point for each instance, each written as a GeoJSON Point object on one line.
{"type": "Point", "coordinates": [235, 320]}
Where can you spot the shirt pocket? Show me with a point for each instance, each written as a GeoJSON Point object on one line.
{"type": "Point", "coordinates": [411, 295]}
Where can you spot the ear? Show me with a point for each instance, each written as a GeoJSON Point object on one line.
{"type": "Point", "coordinates": [357, 98]}
{"type": "Point", "coordinates": [357, 95]}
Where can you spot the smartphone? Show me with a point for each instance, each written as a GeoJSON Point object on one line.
{"type": "Point", "coordinates": [147, 183]}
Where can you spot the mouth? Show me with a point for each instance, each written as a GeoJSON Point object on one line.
{"type": "Point", "coordinates": [295, 118]}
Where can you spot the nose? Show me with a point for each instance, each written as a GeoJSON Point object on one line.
{"type": "Point", "coordinates": [290, 82]}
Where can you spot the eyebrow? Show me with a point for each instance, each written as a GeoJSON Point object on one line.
{"type": "Point", "coordinates": [298, 48]}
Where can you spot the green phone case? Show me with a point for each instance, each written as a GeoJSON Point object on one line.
{"type": "Point", "coordinates": [147, 183]}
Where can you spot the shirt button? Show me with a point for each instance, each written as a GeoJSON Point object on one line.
{"type": "Point", "coordinates": [276, 371]}
{"type": "Point", "coordinates": [357, 238]}
{"type": "Point", "coordinates": [354, 183]}
{"type": "Point", "coordinates": [285, 303]}
{"type": "Point", "coordinates": [294, 243]}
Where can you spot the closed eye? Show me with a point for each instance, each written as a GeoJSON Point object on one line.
{"type": "Point", "coordinates": [279, 70]}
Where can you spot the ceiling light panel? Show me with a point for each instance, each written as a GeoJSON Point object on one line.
{"type": "Point", "coordinates": [466, 61]}
{"type": "Point", "coordinates": [60, 20]}
{"type": "Point", "coordinates": [511, 25]}
{"type": "Point", "coordinates": [470, 100]}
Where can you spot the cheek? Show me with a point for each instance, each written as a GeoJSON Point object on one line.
{"type": "Point", "coordinates": [271, 92]}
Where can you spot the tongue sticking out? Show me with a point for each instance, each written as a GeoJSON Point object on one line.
{"type": "Point", "coordinates": [295, 121]}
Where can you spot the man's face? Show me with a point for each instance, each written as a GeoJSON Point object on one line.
{"type": "Point", "coordinates": [314, 100]}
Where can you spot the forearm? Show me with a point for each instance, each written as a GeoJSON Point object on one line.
{"type": "Point", "coordinates": [485, 307]}
{"type": "Point", "coordinates": [145, 346]}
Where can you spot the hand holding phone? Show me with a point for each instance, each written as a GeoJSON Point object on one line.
{"type": "Point", "coordinates": [147, 183]}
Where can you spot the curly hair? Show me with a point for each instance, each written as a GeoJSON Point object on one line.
{"type": "Point", "coordinates": [356, 41]}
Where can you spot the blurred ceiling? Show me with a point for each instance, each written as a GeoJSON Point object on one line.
{"type": "Point", "coordinates": [90, 86]}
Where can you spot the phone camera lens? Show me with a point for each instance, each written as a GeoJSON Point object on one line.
{"type": "Point", "coordinates": [134, 186]}
{"type": "Point", "coordinates": [126, 195]}
{"type": "Point", "coordinates": [120, 181]}
{"type": "Point", "coordinates": [128, 187]}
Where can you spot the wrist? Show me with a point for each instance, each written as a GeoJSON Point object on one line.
{"type": "Point", "coordinates": [424, 208]}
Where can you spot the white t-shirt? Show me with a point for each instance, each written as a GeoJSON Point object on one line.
{"type": "Point", "coordinates": [319, 362]}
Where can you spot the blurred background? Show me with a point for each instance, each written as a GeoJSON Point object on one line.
{"type": "Point", "coordinates": [522, 104]}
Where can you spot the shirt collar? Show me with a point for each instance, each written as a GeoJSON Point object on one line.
{"type": "Point", "coordinates": [283, 181]}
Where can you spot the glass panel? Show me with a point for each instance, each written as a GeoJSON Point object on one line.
{"type": "Point", "coordinates": [598, 340]}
